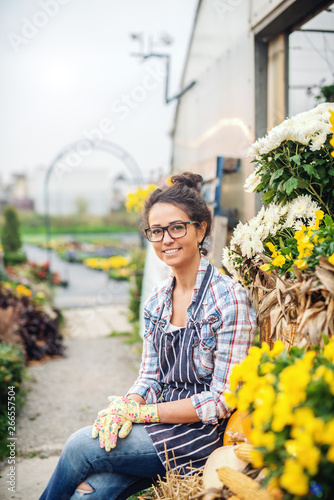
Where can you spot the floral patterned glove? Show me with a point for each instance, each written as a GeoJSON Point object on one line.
{"type": "Point", "coordinates": [115, 401]}
{"type": "Point", "coordinates": [133, 411]}
{"type": "Point", "coordinates": [108, 427]}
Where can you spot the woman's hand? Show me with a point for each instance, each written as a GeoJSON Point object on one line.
{"type": "Point", "coordinates": [116, 420]}
{"type": "Point", "coordinates": [133, 411]}
{"type": "Point", "coordinates": [108, 427]}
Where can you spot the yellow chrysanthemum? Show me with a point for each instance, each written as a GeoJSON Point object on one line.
{"type": "Point", "coordinates": [277, 349]}
{"type": "Point", "coordinates": [331, 119]}
{"type": "Point", "coordinates": [266, 268]}
{"type": "Point", "coordinates": [257, 459]}
{"type": "Point", "coordinates": [293, 479]}
{"type": "Point", "coordinates": [279, 261]}
{"type": "Point", "coordinates": [301, 264]}
{"type": "Point", "coordinates": [135, 201]}
{"type": "Point", "coordinates": [231, 399]}
{"type": "Point", "coordinates": [272, 249]}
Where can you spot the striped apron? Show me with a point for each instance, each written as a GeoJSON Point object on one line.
{"type": "Point", "coordinates": [187, 445]}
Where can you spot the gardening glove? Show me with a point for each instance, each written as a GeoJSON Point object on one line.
{"type": "Point", "coordinates": [114, 400]}
{"type": "Point", "coordinates": [108, 427]}
{"type": "Point", "coordinates": [131, 410]}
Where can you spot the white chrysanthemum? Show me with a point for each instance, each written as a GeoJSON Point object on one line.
{"type": "Point", "coordinates": [241, 232]}
{"type": "Point", "coordinates": [272, 214]}
{"type": "Point", "coordinates": [308, 128]}
{"type": "Point", "coordinates": [251, 246]}
{"type": "Point", "coordinates": [227, 260]}
{"type": "Point", "coordinates": [254, 149]}
{"type": "Point", "coordinates": [301, 209]}
{"type": "Point", "coordinates": [284, 209]}
{"type": "Point", "coordinates": [318, 140]}
{"type": "Point", "coordinates": [300, 205]}
{"type": "Point", "coordinates": [297, 225]}
{"type": "Point", "coordinates": [251, 183]}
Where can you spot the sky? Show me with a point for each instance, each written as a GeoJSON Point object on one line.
{"type": "Point", "coordinates": [68, 75]}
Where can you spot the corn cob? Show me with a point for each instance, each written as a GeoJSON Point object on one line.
{"type": "Point", "coordinates": [243, 486]}
{"type": "Point", "coordinates": [244, 451]}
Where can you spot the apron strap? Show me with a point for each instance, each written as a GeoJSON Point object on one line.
{"type": "Point", "coordinates": [202, 292]}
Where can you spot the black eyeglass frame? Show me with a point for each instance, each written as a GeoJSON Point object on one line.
{"type": "Point", "coordinates": [165, 228]}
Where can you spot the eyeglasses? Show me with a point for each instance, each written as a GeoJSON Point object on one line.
{"type": "Point", "coordinates": [177, 230]}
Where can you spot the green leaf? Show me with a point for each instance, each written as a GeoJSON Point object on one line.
{"type": "Point", "coordinates": [325, 338]}
{"type": "Point", "coordinates": [302, 183]}
{"type": "Point", "coordinates": [277, 155]}
{"type": "Point", "coordinates": [295, 159]}
{"type": "Point", "coordinates": [311, 170]}
{"type": "Point", "coordinates": [281, 244]}
{"type": "Point", "coordinates": [328, 220]}
{"type": "Point", "coordinates": [322, 172]}
{"type": "Point", "coordinates": [277, 174]}
{"type": "Point", "coordinates": [267, 197]}
{"type": "Point", "coordinates": [331, 171]}
{"type": "Point", "coordinates": [290, 185]}
{"type": "Point", "coordinates": [260, 187]}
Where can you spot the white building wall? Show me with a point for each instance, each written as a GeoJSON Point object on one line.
{"type": "Point", "coordinates": [216, 117]}
{"type": "Point", "coordinates": [92, 184]}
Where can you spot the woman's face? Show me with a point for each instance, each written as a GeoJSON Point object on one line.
{"type": "Point", "coordinates": [179, 251]}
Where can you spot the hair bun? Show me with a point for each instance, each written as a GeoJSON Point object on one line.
{"type": "Point", "coordinates": [187, 179]}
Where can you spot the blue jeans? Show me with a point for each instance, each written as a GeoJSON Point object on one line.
{"type": "Point", "coordinates": [117, 474]}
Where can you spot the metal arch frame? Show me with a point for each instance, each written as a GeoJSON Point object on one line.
{"type": "Point", "coordinates": [101, 145]}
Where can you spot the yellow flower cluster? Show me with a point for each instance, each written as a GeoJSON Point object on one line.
{"type": "Point", "coordinates": [279, 392]}
{"type": "Point", "coordinates": [278, 258]}
{"type": "Point", "coordinates": [135, 200]}
{"type": "Point", "coordinates": [104, 264]}
{"type": "Point", "coordinates": [306, 240]}
{"type": "Point", "coordinates": [58, 245]}
{"type": "Point", "coordinates": [331, 119]}
{"type": "Point", "coordinates": [23, 291]}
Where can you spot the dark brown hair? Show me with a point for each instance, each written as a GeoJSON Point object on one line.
{"type": "Point", "coordinates": [183, 193]}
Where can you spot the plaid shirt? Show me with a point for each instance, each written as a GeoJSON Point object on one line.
{"type": "Point", "coordinates": [226, 322]}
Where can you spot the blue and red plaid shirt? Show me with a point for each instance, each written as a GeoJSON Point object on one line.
{"type": "Point", "coordinates": [226, 323]}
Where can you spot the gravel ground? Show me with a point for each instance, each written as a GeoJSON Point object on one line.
{"type": "Point", "coordinates": [66, 394]}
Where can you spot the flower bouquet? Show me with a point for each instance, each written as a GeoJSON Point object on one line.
{"type": "Point", "coordinates": [285, 254]}
{"type": "Point", "coordinates": [289, 397]}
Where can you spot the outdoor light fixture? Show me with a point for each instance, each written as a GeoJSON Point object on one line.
{"type": "Point", "coordinates": [167, 40]}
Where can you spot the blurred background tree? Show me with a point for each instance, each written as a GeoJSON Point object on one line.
{"type": "Point", "coordinates": [11, 239]}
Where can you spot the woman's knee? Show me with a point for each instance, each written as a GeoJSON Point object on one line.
{"type": "Point", "coordinates": [78, 443]}
{"type": "Point", "coordinates": [84, 487]}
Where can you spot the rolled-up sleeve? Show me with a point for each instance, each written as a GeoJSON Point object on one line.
{"type": "Point", "coordinates": [234, 336]}
{"type": "Point", "coordinates": [147, 385]}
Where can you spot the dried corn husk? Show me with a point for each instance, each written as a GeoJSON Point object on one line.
{"type": "Point", "coordinates": [176, 486]}
{"type": "Point", "coordinates": [223, 456]}
{"type": "Point", "coordinates": [296, 311]}
{"type": "Point", "coordinates": [244, 451]}
{"type": "Point", "coordinates": [243, 486]}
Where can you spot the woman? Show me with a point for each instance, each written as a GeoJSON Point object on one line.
{"type": "Point", "coordinates": [198, 325]}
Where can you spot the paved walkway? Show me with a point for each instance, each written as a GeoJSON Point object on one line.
{"type": "Point", "coordinates": [66, 394]}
